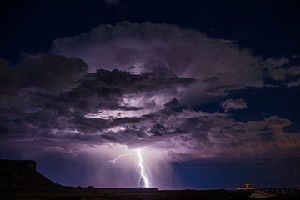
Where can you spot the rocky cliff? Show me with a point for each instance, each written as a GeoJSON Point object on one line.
{"type": "Point", "coordinates": [20, 175]}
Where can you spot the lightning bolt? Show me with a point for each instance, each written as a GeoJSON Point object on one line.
{"type": "Point", "coordinates": [143, 178]}
{"type": "Point", "coordinates": [143, 175]}
{"type": "Point", "coordinates": [113, 161]}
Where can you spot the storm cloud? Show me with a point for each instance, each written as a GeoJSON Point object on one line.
{"type": "Point", "coordinates": [55, 104]}
{"type": "Point", "coordinates": [135, 85]}
{"type": "Point", "coordinates": [218, 64]}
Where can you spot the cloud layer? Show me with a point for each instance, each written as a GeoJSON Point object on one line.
{"type": "Point", "coordinates": [63, 103]}
{"type": "Point", "coordinates": [141, 47]}
{"type": "Point", "coordinates": [65, 115]}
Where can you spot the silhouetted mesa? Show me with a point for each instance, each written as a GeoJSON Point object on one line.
{"type": "Point", "coordinates": [22, 175]}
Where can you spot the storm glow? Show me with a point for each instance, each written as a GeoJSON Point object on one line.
{"type": "Point", "coordinates": [143, 180]}
{"type": "Point", "coordinates": [143, 176]}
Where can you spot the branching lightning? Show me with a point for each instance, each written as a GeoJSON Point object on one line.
{"type": "Point", "coordinates": [113, 161]}
{"type": "Point", "coordinates": [143, 178]}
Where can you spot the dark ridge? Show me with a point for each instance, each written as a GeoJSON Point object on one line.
{"type": "Point", "coordinates": [22, 175]}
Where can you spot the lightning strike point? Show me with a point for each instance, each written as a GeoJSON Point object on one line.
{"type": "Point", "coordinates": [143, 176]}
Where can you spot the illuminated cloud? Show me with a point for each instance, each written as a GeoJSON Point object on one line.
{"type": "Point", "coordinates": [61, 104]}
{"type": "Point", "coordinates": [123, 108]}
{"type": "Point", "coordinates": [234, 104]}
{"type": "Point", "coordinates": [218, 64]}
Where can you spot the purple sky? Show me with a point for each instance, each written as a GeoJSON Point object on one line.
{"type": "Point", "coordinates": [166, 101]}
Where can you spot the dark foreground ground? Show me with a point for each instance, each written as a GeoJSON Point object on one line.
{"type": "Point", "coordinates": [20, 180]}
{"type": "Point", "coordinates": [124, 194]}
{"type": "Point", "coordinates": [130, 193]}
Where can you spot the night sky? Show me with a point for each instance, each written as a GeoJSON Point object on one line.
{"type": "Point", "coordinates": [168, 94]}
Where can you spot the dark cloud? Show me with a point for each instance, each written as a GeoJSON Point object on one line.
{"type": "Point", "coordinates": [174, 106]}
{"type": "Point", "coordinates": [61, 103]}
{"type": "Point", "coordinates": [281, 73]}
{"type": "Point", "coordinates": [111, 2]}
{"type": "Point", "coordinates": [47, 106]}
{"type": "Point", "coordinates": [49, 73]}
